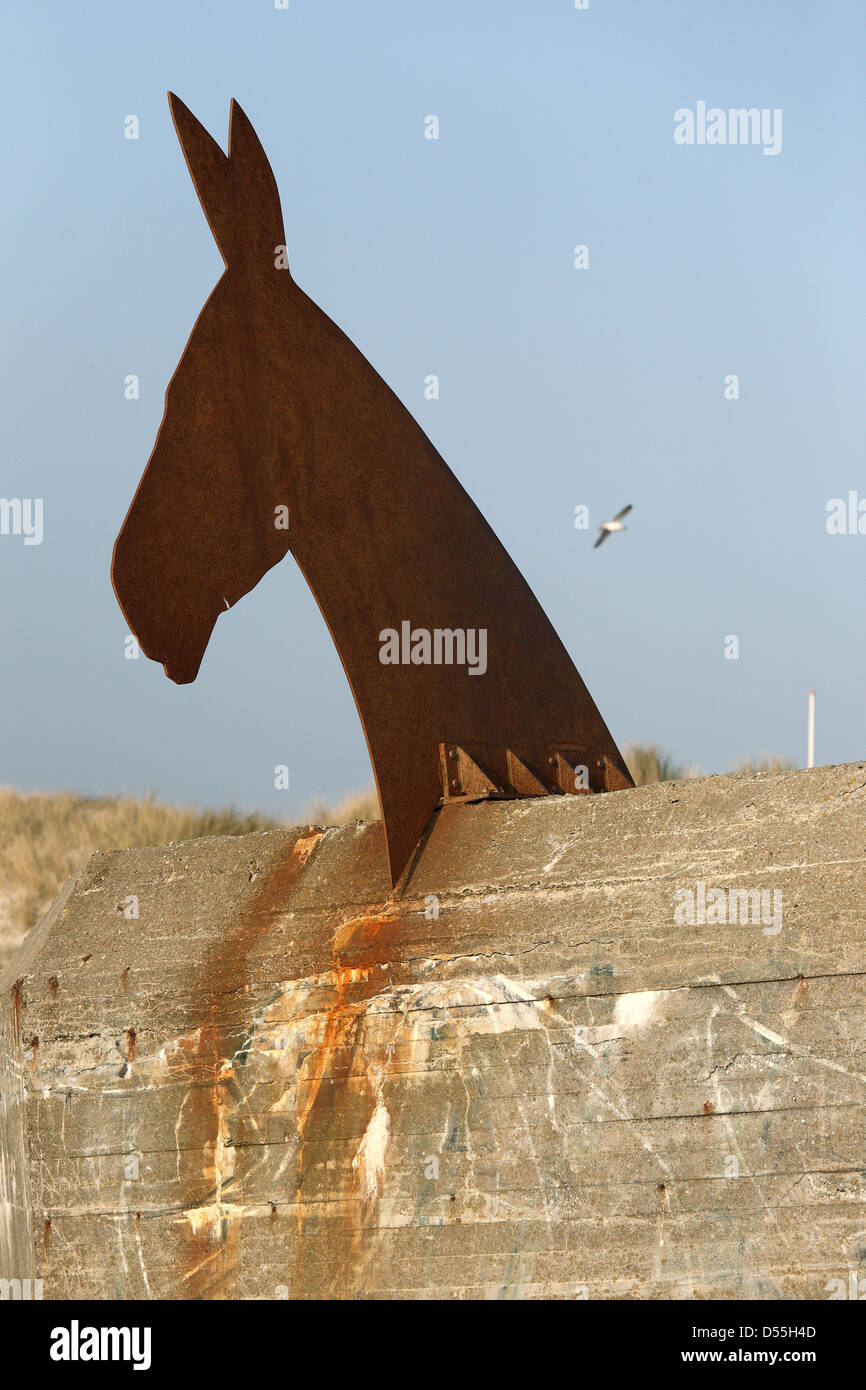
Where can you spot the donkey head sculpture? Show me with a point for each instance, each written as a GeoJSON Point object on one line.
{"type": "Point", "coordinates": [278, 434]}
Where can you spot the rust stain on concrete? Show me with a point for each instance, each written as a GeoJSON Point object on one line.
{"type": "Point", "coordinates": [360, 945]}
{"type": "Point", "coordinates": [213, 1222]}
{"type": "Point", "coordinates": [16, 1014]}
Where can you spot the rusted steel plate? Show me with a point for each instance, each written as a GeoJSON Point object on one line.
{"type": "Point", "coordinates": [279, 435]}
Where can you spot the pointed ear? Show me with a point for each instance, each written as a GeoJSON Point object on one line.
{"type": "Point", "coordinates": [257, 200]}
{"type": "Point", "coordinates": [210, 172]}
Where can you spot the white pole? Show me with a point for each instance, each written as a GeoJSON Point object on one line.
{"type": "Point", "coordinates": [810, 753]}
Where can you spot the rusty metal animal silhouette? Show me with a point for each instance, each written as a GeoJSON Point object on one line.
{"type": "Point", "coordinates": [272, 408]}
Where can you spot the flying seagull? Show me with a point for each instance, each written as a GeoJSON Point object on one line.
{"type": "Point", "coordinates": [608, 527]}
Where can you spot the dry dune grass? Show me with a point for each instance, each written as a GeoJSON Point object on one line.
{"type": "Point", "coordinates": [356, 806]}
{"type": "Point", "coordinates": [45, 837]}
{"type": "Point", "coordinates": [754, 766]}
{"type": "Point", "coordinates": [648, 763]}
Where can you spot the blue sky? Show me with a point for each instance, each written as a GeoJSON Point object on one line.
{"type": "Point", "coordinates": [558, 387]}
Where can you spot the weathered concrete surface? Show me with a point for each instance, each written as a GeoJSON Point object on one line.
{"type": "Point", "coordinates": [282, 1079]}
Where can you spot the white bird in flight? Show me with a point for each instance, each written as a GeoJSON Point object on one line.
{"type": "Point", "coordinates": [608, 527]}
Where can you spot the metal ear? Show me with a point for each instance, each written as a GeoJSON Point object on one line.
{"type": "Point", "coordinates": [211, 174]}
